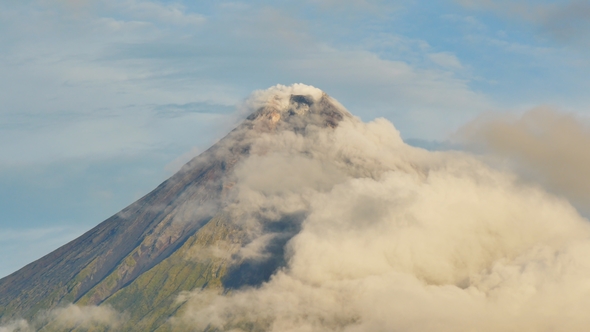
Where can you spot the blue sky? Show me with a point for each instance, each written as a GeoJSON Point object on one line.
{"type": "Point", "coordinates": [101, 100]}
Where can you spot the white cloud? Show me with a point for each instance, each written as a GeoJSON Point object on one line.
{"type": "Point", "coordinates": [68, 317]}
{"type": "Point", "coordinates": [399, 238]}
{"type": "Point", "coordinates": [91, 82]}
{"type": "Point", "coordinates": [20, 325]}
{"type": "Point", "coordinates": [83, 316]}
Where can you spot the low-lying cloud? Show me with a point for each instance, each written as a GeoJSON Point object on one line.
{"type": "Point", "coordinates": [376, 235]}
{"type": "Point", "coordinates": [397, 238]}
{"type": "Point", "coordinates": [67, 318]}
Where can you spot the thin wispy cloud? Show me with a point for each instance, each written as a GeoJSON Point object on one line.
{"type": "Point", "coordinates": [566, 22]}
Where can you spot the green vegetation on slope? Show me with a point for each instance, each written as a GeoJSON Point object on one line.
{"type": "Point", "coordinates": [151, 299]}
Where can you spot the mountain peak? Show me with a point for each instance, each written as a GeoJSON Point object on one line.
{"type": "Point", "coordinates": [168, 241]}
{"type": "Point", "coordinates": [294, 107]}
{"type": "Point", "coordinates": [306, 218]}
{"type": "Point", "coordinates": [111, 262]}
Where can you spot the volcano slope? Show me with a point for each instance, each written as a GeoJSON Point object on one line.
{"type": "Point", "coordinates": [304, 218]}
{"type": "Point", "coordinates": [142, 257]}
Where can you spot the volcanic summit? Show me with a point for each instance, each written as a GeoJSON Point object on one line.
{"type": "Point", "coordinates": [304, 218]}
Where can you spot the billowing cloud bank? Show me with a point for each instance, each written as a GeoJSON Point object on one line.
{"type": "Point", "coordinates": [383, 236]}
{"type": "Point", "coordinates": [543, 145]}
{"type": "Point", "coordinates": [396, 238]}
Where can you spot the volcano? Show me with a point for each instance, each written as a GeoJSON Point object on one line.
{"type": "Point", "coordinates": [305, 218]}
{"type": "Point", "coordinates": [143, 257]}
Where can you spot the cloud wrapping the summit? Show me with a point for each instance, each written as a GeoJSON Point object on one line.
{"type": "Point", "coordinates": [383, 236]}
{"type": "Point", "coordinates": [396, 238]}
